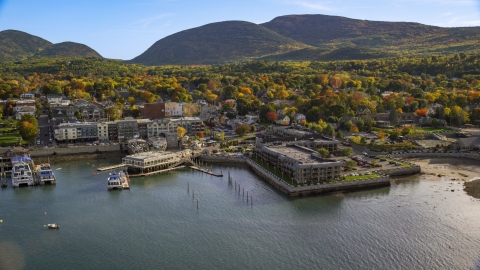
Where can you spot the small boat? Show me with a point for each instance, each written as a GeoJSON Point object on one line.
{"type": "Point", "coordinates": [53, 226]}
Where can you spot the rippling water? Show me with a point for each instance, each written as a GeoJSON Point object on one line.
{"type": "Point", "coordinates": [414, 224]}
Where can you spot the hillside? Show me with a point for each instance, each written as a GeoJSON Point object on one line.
{"type": "Point", "coordinates": [216, 43]}
{"type": "Point", "coordinates": [335, 32]}
{"type": "Point", "coordinates": [317, 54]}
{"type": "Point", "coordinates": [68, 49]}
{"type": "Point", "coordinates": [17, 45]}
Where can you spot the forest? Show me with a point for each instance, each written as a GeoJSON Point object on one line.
{"type": "Point", "coordinates": [323, 91]}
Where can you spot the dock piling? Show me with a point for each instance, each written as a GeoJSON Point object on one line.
{"type": "Point", "coordinates": [188, 187]}
{"type": "Point", "coordinates": [197, 203]}
{"type": "Point", "coordinates": [193, 193]}
{"type": "Point", "coordinates": [247, 196]}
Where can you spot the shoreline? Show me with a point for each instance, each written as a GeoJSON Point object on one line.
{"type": "Point", "coordinates": [459, 169]}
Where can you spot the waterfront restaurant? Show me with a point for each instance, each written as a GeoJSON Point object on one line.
{"type": "Point", "coordinates": [300, 163]}
{"type": "Point", "coordinates": [154, 161]}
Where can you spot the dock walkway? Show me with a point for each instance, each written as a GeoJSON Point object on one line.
{"type": "Point", "coordinates": [101, 169]}
{"type": "Point", "coordinates": [206, 171]}
{"type": "Point", "coordinates": [155, 172]}
{"type": "Point", "coordinates": [126, 183]}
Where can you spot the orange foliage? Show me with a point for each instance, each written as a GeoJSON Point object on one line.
{"type": "Point", "coordinates": [421, 112]}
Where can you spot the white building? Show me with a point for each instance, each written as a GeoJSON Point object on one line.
{"type": "Point", "coordinates": [21, 110]}
{"type": "Point", "coordinates": [173, 109]}
{"type": "Point", "coordinates": [102, 131]}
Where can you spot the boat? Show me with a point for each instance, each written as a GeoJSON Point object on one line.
{"type": "Point", "coordinates": [22, 175]}
{"type": "Point", "coordinates": [53, 226]}
{"type": "Point", "coordinates": [45, 174]}
{"type": "Point", "coordinates": [116, 180]}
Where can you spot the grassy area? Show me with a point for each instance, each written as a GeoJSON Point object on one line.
{"type": "Point", "coordinates": [360, 177]}
{"type": "Point", "coordinates": [435, 130]}
{"type": "Point", "coordinates": [10, 139]}
{"type": "Point", "coordinates": [396, 161]}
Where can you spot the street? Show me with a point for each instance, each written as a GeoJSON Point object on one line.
{"type": "Point", "coordinates": [44, 128]}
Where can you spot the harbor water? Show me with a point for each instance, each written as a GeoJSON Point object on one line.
{"type": "Point", "coordinates": [414, 224]}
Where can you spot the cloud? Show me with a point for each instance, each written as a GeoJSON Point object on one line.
{"type": "Point", "coordinates": [144, 23]}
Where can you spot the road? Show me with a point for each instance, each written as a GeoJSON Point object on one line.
{"type": "Point", "coordinates": [44, 128]}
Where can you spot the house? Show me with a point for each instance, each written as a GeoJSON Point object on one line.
{"type": "Point", "coordinates": [173, 109]}
{"type": "Point", "coordinates": [283, 121]}
{"type": "Point", "coordinates": [153, 110]}
{"type": "Point", "coordinates": [433, 109]}
{"type": "Point", "coordinates": [61, 100]}
{"type": "Point", "coordinates": [362, 110]}
{"type": "Point", "coordinates": [19, 111]}
{"type": "Point", "coordinates": [28, 95]}
{"type": "Point", "coordinates": [299, 117]}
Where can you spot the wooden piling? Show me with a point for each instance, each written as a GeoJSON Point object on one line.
{"type": "Point", "coordinates": [197, 203]}
{"type": "Point", "coordinates": [243, 192]}
{"type": "Point", "coordinates": [188, 187]}
{"type": "Point", "coordinates": [193, 193]}
{"type": "Point", "coordinates": [247, 195]}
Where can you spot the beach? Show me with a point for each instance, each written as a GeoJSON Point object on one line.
{"type": "Point", "coordinates": [465, 170]}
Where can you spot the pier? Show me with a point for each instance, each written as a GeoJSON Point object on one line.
{"type": "Point", "coordinates": [206, 171]}
{"type": "Point", "coordinates": [108, 168]}
{"type": "Point", "coordinates": [155, 172]}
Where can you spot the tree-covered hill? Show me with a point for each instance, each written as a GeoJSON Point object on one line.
{"type": "Point", "coordinates": [333, 32]}
{"type": "Point", "coordinates": [68, 49]}
{"type": "Point", "coordinates": [16, 45]}
{"type": "Point", "coordinates": [216, 43]}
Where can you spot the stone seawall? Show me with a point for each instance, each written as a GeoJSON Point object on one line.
{"type": "Point", "coordinates": [223, 159]}
{"type": "Point", "coordinates": [74, 150]}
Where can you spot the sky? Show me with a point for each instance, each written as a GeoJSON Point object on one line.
{"type": "Point", "coordinates": [123, 29]}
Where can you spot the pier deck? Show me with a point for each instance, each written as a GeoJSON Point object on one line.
{"type": "Point", "coordinates": [101, 169]}
{"type": "Point", "coordinates": [126, 183]}
{"type": "Point", "coordinates": [206, 171]}
{"type": "Point", "coordinates": [155, 172]}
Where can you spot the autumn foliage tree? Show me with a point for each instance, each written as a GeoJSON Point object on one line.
{"type": "Point", "coordinates": [272, 116]}
{"type": "Point", "coordinates": [28, 131]}
{"type": "Point", "coordinates": [242, 129]}
{"type": "Point", "coordinates": [421, 112]}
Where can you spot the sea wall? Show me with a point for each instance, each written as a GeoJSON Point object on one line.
{"type": "Point", "coordinates": [223, 159]}
{"type": "Point", "coordinates": [74, 150]}
{"type": "Point", "coordinates": [431, 154]}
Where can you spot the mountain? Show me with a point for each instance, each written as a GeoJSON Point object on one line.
{"type": "Point", "coordinates": [318, 54]}
{"type": "Point", "coordinates": [68, 49]}
{"type": "Point", "coordinates": [334, 32]}
{"type": "Point", "coordinates": [17, 44]}
{"type": "Point", "coordinates": [216, 43]}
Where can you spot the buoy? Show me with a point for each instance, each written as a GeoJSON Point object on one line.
{"type": "Point", "coordinates": [44, 213]}
{"type": "Point", "coordinates": [1, 220]}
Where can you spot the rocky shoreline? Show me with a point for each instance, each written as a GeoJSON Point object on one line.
{"type": "Point", "coordinates": [53, 159]}
{"type": "Point", "coordinates": [472, 188]}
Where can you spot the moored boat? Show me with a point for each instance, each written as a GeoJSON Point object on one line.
{"type": "Point", "coordinates": [53, 226]}
{"type": "Point", "coordinates": [45, 174]}
{"type": "Point", "coordinates": [116, 180]}
{"type": "Point", "coordinates": [22, 175]}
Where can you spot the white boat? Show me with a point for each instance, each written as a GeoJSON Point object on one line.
{"type": "Point", "coordinates": [53, 226]}
{"type": "Point", "coordinates": [45, 174]}
{"type": "Point", "coordinates": [116, 180]}
{"type": "Point", "coordinates": [22, 175]}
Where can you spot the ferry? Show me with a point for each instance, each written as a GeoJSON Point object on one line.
{"type": "Point", "coordinates": [22, 175]}
{"type": "Point", "coordinates": [45, 174]}
{"type": "Point", "coordinates": [116, 180]}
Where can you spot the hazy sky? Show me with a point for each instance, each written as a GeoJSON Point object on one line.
{"type": "Point", "coordinates": [124, 29]}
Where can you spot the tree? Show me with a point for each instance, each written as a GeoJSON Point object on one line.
{"type": "Point", "coordinates": [220, 136]}
{"type": "Point", "coordinates": [354, 128]}
{"type": "Point", "coordinates": [78, 114]}
{"type": "Point", "coordinates": [131, 100]}
{"type": "Point", "coordinates": [201, 134]}
{"type": "Point", "coordinates": [421, 112]}
{"type": "Point", "coordinates": [329, 130]}
{"type": "Point", "coordinates": [242, 129]}
{"type": "Point", "coordinates": [350, 164]}
{"type": "Point", "coordinates": [29, 118]}
{"type": "Point", "coordinates": [134, 111]}
{"type": "Point", "coordinates": [230, 92]}
{"type": "Point", "coordinates": [28, 131]}
{"type": "Point", "coordinates": [323, 152]}
{"type": "Point", "coordinates": [181, 132]}
{"type": "Point", "coordinates": [272, 116]}
{"type": "Point", "coordinates": [347, 151]}
{"type": "Point", "coordinates": [253, 128]}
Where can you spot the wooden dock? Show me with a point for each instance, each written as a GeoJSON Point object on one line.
{"type": "Point", "coordinates": [206, 171]}
{"type": "Point", "coordinates": [155, 172]}
{"type": "Point", "coordinates": [126, 183]}
{"type": "Point", "coordinates": [102, 169]}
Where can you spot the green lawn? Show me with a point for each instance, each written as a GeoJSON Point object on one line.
{"type": "Point", "coordinates": [396, 161]}
{"type": "Point", "coordinates": [434, 130]}
{"type": "Point", "coordinates": [10, 139]}
{"type": "Point", "coordinates": [360, 177]}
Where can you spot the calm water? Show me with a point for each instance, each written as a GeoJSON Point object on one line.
{"type": "Point", "coordinates": [414, 224]}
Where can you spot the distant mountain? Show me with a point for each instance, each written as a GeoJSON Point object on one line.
{"type": "Point", "coordinates": [16, 45]}
{"type": "Point", "coordinates": [216, 43]}
{"type": "Point", "coordinates": [334, 32]}
{"type": "Point", "coordinates": [68, 49]}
